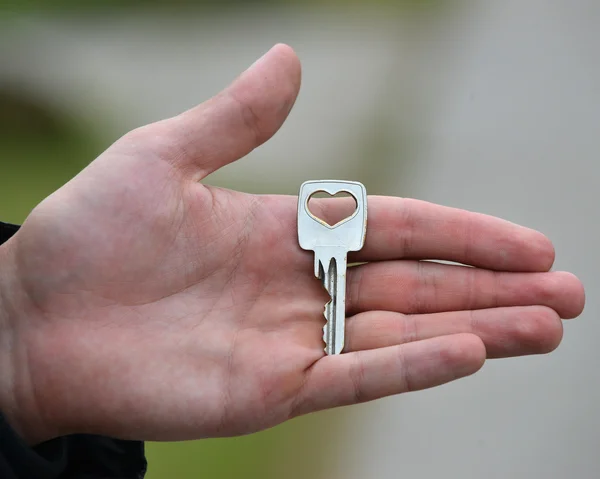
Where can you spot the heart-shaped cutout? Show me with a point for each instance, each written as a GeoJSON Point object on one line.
{"type": "Point", "coordinates": [332, 210]}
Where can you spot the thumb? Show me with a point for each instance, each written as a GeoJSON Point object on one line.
{"type": "Point", "coordinates": [237, 120]}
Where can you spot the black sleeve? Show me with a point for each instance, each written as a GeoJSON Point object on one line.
{"type": "Point", "coordinates": [71, 457]}
{"type": "Point", "coordinates": [6, 231]}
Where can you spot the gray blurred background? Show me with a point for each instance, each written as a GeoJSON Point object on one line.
{"type": "Point", "coordinates": [488, 106]}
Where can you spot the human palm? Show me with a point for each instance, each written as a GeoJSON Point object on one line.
{"type": "Point", "coordinates": [160, 308]}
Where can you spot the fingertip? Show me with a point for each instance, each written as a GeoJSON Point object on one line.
{"type": "Point", "coordinates": [287, 60]}
{"type": "Point", "coordinates": [287, 52]}
{"type": "Point", "coordinates": [291, 62]}
{"type": "Point", "coordinates": [574, 291]}
{"type": "Point", "coordinates": [546, 252]}
{"type": "Point", "coordinates": [465, 352]}
{"type": "Point", "coordinates": [564, 292]}
{"type": "Point", "coordinates": [538, 251]}
{"type": "Point", "coordinates": [267, 91]}
{"type": "Point", "coordinates": [542, 328]}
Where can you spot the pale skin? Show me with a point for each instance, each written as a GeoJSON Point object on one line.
{"type": "Point", "coordinates": [138, 303]}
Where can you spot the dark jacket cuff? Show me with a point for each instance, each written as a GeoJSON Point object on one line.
{"type": "Point", "coordinates": [6, 231]}
{"type": "Point", "coordinates": [18, 460]}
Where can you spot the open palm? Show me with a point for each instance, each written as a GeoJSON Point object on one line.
{"type": "Point", "coordinates": [159, 308]}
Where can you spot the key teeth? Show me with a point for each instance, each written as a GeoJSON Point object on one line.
{"type": "Point", "coordinates": [325, 326]}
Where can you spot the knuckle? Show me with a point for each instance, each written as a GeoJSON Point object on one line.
{"type": "Point", "coordinates": [159, 140]}
{"type": "Point", "coordinates": [409, 329]}
{"type": "Point", "coordinates": [250, 118]}
{"type": "Point", "coordinates": [405, 380]}
{"type": "Point", "coordinates": [355, 280]}
{"type": "Point", "coordinates": [357, 377]}
{"type": "Point", "coordinates": [406, 228]}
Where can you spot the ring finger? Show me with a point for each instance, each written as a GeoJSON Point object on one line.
{"type": "Point", "coordinates": [506, 332]}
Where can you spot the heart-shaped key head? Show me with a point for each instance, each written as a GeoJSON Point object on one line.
{"type": "Point", "coordinates": [349, 233]}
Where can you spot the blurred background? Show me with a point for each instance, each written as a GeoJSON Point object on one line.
{"type": "Point", "coordinates": [489, 106]}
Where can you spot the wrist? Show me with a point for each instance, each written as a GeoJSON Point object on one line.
{"type": "Point", "coordinates": [17, 399]}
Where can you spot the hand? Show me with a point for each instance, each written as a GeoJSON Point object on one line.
{"type": "Point", "coordinates": [144, 305]}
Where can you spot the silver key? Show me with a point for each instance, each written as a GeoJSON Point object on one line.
{"type": "Point", "coordinates": [331, 245]}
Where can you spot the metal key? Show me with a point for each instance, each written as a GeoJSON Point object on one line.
{"type": "Point", "coordinates": [331, 245]}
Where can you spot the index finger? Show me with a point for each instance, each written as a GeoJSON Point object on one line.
{"type": "Point", "coordinates": [405, 228]}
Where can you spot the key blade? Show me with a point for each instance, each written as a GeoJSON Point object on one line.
{"type": "Point", "coordinates": [329, 332]}
{"type": "Point", "coordinates": [332, 272]}
{"type": "Point", "coordinates": [333, 331]}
